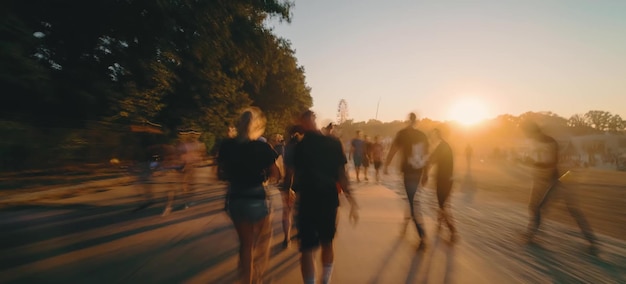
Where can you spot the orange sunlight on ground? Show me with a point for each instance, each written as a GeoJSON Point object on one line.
{"type": "Point", "coordinates": [468, 111]}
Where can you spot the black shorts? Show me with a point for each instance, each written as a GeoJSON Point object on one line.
{"type": "Point", "coordinates": [366, 162]}
{"type": "Point", "coordinates": [358, 161]}
{"type": "Point", "coordinates": [378, 164]}
{"type": "Point", "coordinates": [316, 227]}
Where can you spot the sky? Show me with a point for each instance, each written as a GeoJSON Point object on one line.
{"type": "Point", "coordinates": [439, 58]}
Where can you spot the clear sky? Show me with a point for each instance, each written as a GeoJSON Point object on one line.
{"type": "Point", "coordinates": [508, 56]}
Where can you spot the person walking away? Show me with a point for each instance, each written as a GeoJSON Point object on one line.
{"type": "Point", "coordinates": [366, 156]}
{"type": "Point", "coordinates": [191, 152]}
{"type": "Point", "coordinates": [376, 153]}
{"type": "Point", "coordinates": [547, 185]}
{"type": "Point", "coordinates": [246, 164]}
{"type": "Point", "coordinates": [195, 153]}
{"type": "Point", "coordinates": [357, 153]}
{"type": "Point", "coordinates": [413, 146]}
{"type": "Point", "coordinates": [442, 157]}
{"type": "Point", "coordinates": [319, 166]}
{"type": "Point", "coordinates": [147, 161]}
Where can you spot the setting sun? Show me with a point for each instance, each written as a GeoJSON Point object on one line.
{"type": "Point", "coordinates": [468, 111]}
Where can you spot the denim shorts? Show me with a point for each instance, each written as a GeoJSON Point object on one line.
{"type": "Point", "coordinates": [241, 209]}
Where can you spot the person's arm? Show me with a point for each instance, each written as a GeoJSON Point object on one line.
{"type": "Point", "coordinates": [347, 192]}
{"type": "Point", "coordinates": [274, 173]}
{"type": "Point", "coordinates": [287, 179]}
{"type": "Point", "coordinates": [392, 152]}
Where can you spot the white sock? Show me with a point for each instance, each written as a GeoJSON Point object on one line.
{"type": "Point", "coordinates": [309, 280]}
{"type": "Point", "coordinates": [328, 272]}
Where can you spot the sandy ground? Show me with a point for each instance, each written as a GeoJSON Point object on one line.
{"type": "Point", "coordinates": [92, 234]}
{"type": "Point", "coordinates": [601, 193]}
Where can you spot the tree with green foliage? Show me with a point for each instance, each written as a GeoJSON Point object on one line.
{"type": "Point", "coordinates": [183, 64]}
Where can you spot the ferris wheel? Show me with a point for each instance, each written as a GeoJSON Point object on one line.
{"type": "Point", "coordinates": [342, 111]}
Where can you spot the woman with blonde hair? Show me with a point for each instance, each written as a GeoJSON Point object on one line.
{"type": "Point", "coordinates": [246, 164]}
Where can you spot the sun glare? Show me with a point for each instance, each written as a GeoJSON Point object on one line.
{"type": "Point", "coordinates": [468, 111]}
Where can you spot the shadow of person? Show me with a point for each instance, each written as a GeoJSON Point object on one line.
{"type": "Point", "coordinates": [416, 263]}
{"type": "Point", "coordinates": [615, 269]}
{"type": "Point", "coordinates": [386, 260]}
{"type": "Point", "coordinates": [441, 247]}
{"type": "Point", "coordinates": [550, 264]}
{"type": "Point", "coordinates": [448, 276]}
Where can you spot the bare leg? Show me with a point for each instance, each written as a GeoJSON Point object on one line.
{"type": "Point", "coordinates": [365, 173]}
{"type": "Point", "coordinates": [261, 247]}
{"type": "Point", "coordinates": [411, 183]}
{"type": "Point", "coordinates": [246, 242]}
{"type": "Point", "coordinates": [307, 265]}
{"type": "Point", "coordinates": [328, 257]}
{"type": "Point", "coordinates": [444, 187]}
{"type": "Point", "coordinates": [571, 201]}
{"type": "Point", "coordinates": [286, 217]}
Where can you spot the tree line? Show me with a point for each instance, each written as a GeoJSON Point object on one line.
{"type": "Point", "coordinates": [108, 64]}
{"type": "Point", "coordinates": [501, 131]}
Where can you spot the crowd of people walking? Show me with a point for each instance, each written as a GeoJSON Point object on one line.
{"type": "Point", "coordinates": [309, 167]}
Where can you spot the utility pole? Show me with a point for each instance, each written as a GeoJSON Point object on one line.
{"type": "Point", "coordinates": [377, 105]}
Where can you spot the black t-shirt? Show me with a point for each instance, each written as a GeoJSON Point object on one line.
{"type": "Point", "coordinates": [442, 156]}
{"type": "Point", "coordinates": [288, 160]}
{"type": "Point", "coordinates": [245, 165]}
{"type": "Point", "coordinates": [413, 145]}
{"type": "Point", "coordinates": [317, 160]}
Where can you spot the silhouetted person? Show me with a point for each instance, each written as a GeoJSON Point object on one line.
{"type": "Point", "coordinates": [367, 157]}
{"type": "Point", "coordinates": [376, 154]}
{"type": "Point", "coordinates": [319, 165]}
{"type": "Point", "coordinates": [547, 184]}
{"type": "Point", "coordinates": [190, 151]}
{"type": "Point", "coordinates": [357, 153]}
{"type": "Point", "coordinates": [246, 164]}
{"type": "Point", "coordinates": [444, 159]}
{"type": "Point", "coordinates": [413, 146]}
{"type": "Point", "coordinates": [148, 156]}
{"type": "Point", "coordinates": [329, 129]}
